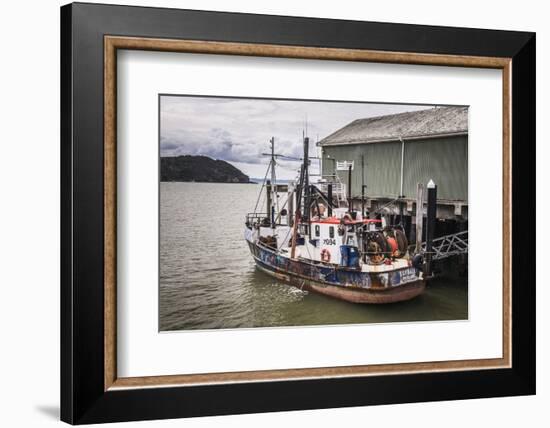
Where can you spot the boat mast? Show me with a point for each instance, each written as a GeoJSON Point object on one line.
{"type": "Point", "coordinates": [273, 185]}
{"type": "Point", "coordinates": [306, 180]}
{"type": "Point", "coordinates": [307, 188]}
{"type": "Point", "coordinates": [272, 205]}
{"type": "Point", "coordinates": [363, 185]}
{"type": "Point", "coordinates": [302, 190]}
{"type": "Point", "coordinates": [297, 219]}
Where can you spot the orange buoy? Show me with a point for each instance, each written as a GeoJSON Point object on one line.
{"type": "Point", "coordinates": [325, 255]}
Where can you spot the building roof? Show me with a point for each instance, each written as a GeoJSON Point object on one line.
{"type": "Point", "coordinates": [429, 123]}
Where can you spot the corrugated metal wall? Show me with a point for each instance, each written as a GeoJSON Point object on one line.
{"type": "Point", "coordinates": [444, 160]}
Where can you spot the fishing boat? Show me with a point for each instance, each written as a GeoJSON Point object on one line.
{"type": "Point", "coordinates": [315, 240]}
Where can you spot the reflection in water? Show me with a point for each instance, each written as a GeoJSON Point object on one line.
{"type": "Point", "coordinates": [208, 279]}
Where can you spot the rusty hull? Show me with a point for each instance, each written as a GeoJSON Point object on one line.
{"type": "Point", "coordinates": [357, 287]}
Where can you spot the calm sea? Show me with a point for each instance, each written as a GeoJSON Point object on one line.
{"type": "Point", "coordinates": [208, 279]}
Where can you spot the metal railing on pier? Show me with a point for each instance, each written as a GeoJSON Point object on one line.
{"type": "Point", "coordinates": [449, 245]}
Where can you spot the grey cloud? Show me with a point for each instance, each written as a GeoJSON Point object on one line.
{"type": "Point", "coordinates": [238, 130]}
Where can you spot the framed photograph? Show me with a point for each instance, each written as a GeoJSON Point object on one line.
{"type": "Point", "coordinates": [267, 213]}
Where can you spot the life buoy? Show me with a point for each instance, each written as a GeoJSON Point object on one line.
{"type": "Point", "coordinates": [325, 255]}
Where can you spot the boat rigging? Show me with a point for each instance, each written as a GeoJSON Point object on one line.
{"type": "Point", "coordinates": [318, 241]}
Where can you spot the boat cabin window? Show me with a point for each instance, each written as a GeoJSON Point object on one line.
{"type": "Point", "coordinates": [331, 232]}
{"type": "Point", "coordinates": [317, 230]}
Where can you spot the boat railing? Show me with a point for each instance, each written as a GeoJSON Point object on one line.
{"type": "Point", "coordinates": [256, 218]}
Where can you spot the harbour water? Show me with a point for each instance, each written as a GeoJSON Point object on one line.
{"type": "Point", "coordinates": [208, 279]}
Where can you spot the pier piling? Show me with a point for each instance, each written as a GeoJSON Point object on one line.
{"type": "Point", "coordinates": [430, 225]}
{"type": "Point", "coordinates": [419, 216]}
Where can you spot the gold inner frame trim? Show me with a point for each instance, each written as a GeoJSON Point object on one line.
{"type": "Point", "coordinates": [113, 43]}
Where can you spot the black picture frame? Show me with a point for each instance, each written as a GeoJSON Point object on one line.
{"type": "Point", "coordinates": [83, 398]}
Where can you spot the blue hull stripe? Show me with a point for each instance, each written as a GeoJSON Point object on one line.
{"type": "Point", "coordinates": [331, 275]}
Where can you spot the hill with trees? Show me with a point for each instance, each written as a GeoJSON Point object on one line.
{"type": "Point", "coordinates": [201, 169]}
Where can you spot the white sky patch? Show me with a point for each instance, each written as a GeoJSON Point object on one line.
{"type": "Point", "coordinates": [238, 130]}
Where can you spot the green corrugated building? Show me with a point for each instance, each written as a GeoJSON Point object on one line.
{"type": "Point", "coordinates": [391, 154]}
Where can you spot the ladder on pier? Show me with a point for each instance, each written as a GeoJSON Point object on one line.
{"type": "Point", "coordinates": [339, 189]}
{"type": "Point", "coordinates": [449, 245]}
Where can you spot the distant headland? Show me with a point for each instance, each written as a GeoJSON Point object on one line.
{"type": "Point", "coordinates": [200, 169]}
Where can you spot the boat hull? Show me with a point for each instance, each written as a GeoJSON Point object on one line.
{"type": "Point", "coordinates": [345, 284]}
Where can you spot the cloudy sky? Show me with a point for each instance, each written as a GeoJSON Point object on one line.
{"type": "Point", "coordinates": [238, 130]}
